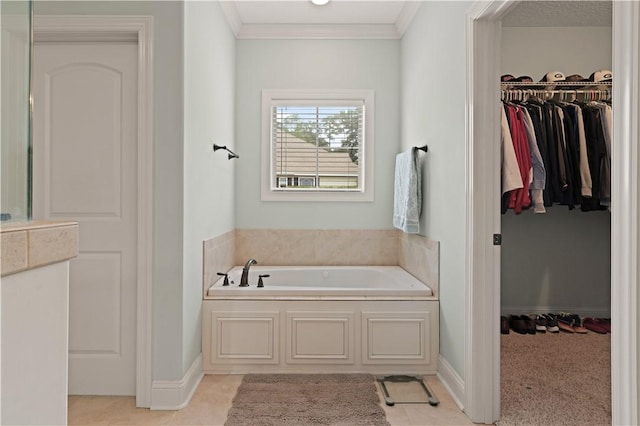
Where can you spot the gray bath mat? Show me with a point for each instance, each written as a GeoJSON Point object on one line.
{"type": "Point", "coordinates": [307, 399]}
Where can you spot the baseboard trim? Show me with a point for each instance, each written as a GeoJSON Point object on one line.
{"type": "Point", "coordinates": [583, 311]}
{"type": "Point", "coordinates": [176, 394]}
{"type": "Point", "coordinates": [451, 381]}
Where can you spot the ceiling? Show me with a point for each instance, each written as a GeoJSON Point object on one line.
{"type": "Point", "coordinates": [386, 19]}
{"type": "Point", "coordinates": [560, 14]}
{"type": "Point", "coordinates": [337, 19]}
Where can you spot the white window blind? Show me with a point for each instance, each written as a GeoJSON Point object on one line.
{"type": "Point", "coordinates": [317, 145]}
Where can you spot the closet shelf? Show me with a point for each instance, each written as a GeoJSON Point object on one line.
{"type": "Point", "coordinates": [563, 85]}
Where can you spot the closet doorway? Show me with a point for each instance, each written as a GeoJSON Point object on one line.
{"type": "Point", "coordinates": [482, 378]}
{"type": "Point", "coordinates": [555, 264]}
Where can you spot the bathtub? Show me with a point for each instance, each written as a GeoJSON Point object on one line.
{"type": "Point", "coordinates": [327, 282]}
{"type": "Point", "coordinates": [321, 319]}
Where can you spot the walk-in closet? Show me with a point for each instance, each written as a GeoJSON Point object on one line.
{"type": "Point", "coordinates": [556, 222]}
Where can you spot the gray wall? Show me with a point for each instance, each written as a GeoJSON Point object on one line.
{"type": "Point", "coordinates": [559, 261]}
{"type": "Point", "coordinates": [316, 64]}
{"type": "Point", "coordinates": [534, 51]}
{"type": "Point", "coordinates": [209, 183]}
{"type": "Point", "coordinates": [433, 112]}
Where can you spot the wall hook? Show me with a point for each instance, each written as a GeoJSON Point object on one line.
{"type": "Point", "coordinates": [232, 154]}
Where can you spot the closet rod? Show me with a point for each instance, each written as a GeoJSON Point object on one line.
{"type": "Point", "coordinates": [580, 84]}
{"type": "Point", "coordinates": [587, 95]}
{"type": "Point", "coordinates": [568, 91]}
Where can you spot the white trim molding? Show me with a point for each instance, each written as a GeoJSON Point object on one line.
{"type": "Point", "coordinates": [482, 155]}
{"type": "Point", "coordinates": [176, 394]}
{"type": "Point", "coordinates": [392, 31]}
{"type": "Point", "coordinates": [451, 381]}
{"type": "Point", "coordinates": [141, 30]}
{"type": "Point", "coordinates": [625, 211]}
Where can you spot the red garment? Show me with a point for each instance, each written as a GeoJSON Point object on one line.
{"type": "Point", "coordinates": [519, 198]}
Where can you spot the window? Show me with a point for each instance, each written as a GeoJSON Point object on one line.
{"type": "Point", "coordinates": [317, 145]}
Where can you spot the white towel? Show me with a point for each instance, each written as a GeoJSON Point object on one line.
{"type": "Point", "coordinates": [407, 194]}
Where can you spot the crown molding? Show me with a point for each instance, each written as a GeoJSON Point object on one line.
{"type": "Point", "coordinates": [232, 16]}
{"type": "Point", "coordinates": [318, 31]}
{"type": "Point", "coordinates": [407, 14]}
{"type": "Point", "coordinates": [394, 31]}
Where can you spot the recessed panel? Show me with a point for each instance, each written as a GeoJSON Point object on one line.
{"type": "Point", "coordinates": [244, 337]}
{"type": "Point", "coordinates": [95, 304]}
{"type": "Point", "coordinates": [84, 135]}
{"type": "Point", "coordinates": [392, 337]}
{"type": "Point", "coordinates": [320, 337]}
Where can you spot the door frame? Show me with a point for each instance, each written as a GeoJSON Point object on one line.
{"type": "Point", "coordinates": [139, 29]}
{"type": "Point", "coordinates": [482, 340]}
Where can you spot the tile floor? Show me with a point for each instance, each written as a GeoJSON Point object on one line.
{"type": "Point", "coordinates": [212, 400]}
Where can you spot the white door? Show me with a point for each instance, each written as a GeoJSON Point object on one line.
{"type": "Point", "coordinates": [85, 169]}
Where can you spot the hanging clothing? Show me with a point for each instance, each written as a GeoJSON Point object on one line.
{"type": "Point", "coordinates": [511, 178]}
{"type": "Point", "coordinates": [562, 151]}
{"type": "Point", "coordinates": [519, 198]}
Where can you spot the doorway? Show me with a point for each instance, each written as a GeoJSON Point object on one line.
{"type": "Point", "coordinates": [104, 200]}
{"type": "Point", "coordinates": [482, 378]}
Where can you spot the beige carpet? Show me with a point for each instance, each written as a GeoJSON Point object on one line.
{"type": "Point", "coordinates": [306, 399]}
{"type": "Point", "coordinates": [556, 379]}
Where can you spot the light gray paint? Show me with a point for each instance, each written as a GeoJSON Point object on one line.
{"type": "Point", "coordinates": [562, 260]}
{"type": "Point", "coordinates": [209, 185]}
{"type": "Point", "coordinates": [316, 64]}
{"type": "Point", "coordinates": [571, 50]}
{"type": "Point", "coordinates": [168, 168]}
{"type": "Point", "coordinates": [433, 112]}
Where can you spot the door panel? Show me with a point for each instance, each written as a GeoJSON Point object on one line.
{"type": "Point", "coordinates": [85, 169]}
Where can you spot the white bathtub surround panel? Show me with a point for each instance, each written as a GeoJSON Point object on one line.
{"type": "Point", "coordinates": [420, 256]}
{"type": "Point", "coordinates": [358, 336]}
{"type": "Point", "coordinates": [219, 255]}
{"type": "Point", "coordinates": [317, 247]}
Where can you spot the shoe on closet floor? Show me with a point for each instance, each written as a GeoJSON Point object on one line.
{"type": "Point", "coordinates": [517, 324]}
{"type": "Point", "coordinates": [594, 325]}
{"type": "Point", "coordinates": [564, 323]}
{"type": "Point", "coordinates": [541, 322]}
{"type": "Point", "coordinates": [577, 324]}
{"type": "Point", "coordinates": [552, 324]}
{"type": "Point", "coordinates": [530, 324]}
{"type": "Point", "coordinates": [504, 325]}
{"type": "Point", "coordinates": [606, 323]}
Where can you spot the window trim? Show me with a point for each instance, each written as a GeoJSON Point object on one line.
{"type": "Point", "coordinates": [367, 191]}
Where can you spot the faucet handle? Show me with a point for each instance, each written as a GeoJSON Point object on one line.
{"type": "Point", "coordinates": [260, 277]}
{"type": "Point", "coordinates": [226, 278]}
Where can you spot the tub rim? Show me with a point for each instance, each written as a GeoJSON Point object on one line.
{"type": "Point", "coordinates": [294, 293]}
